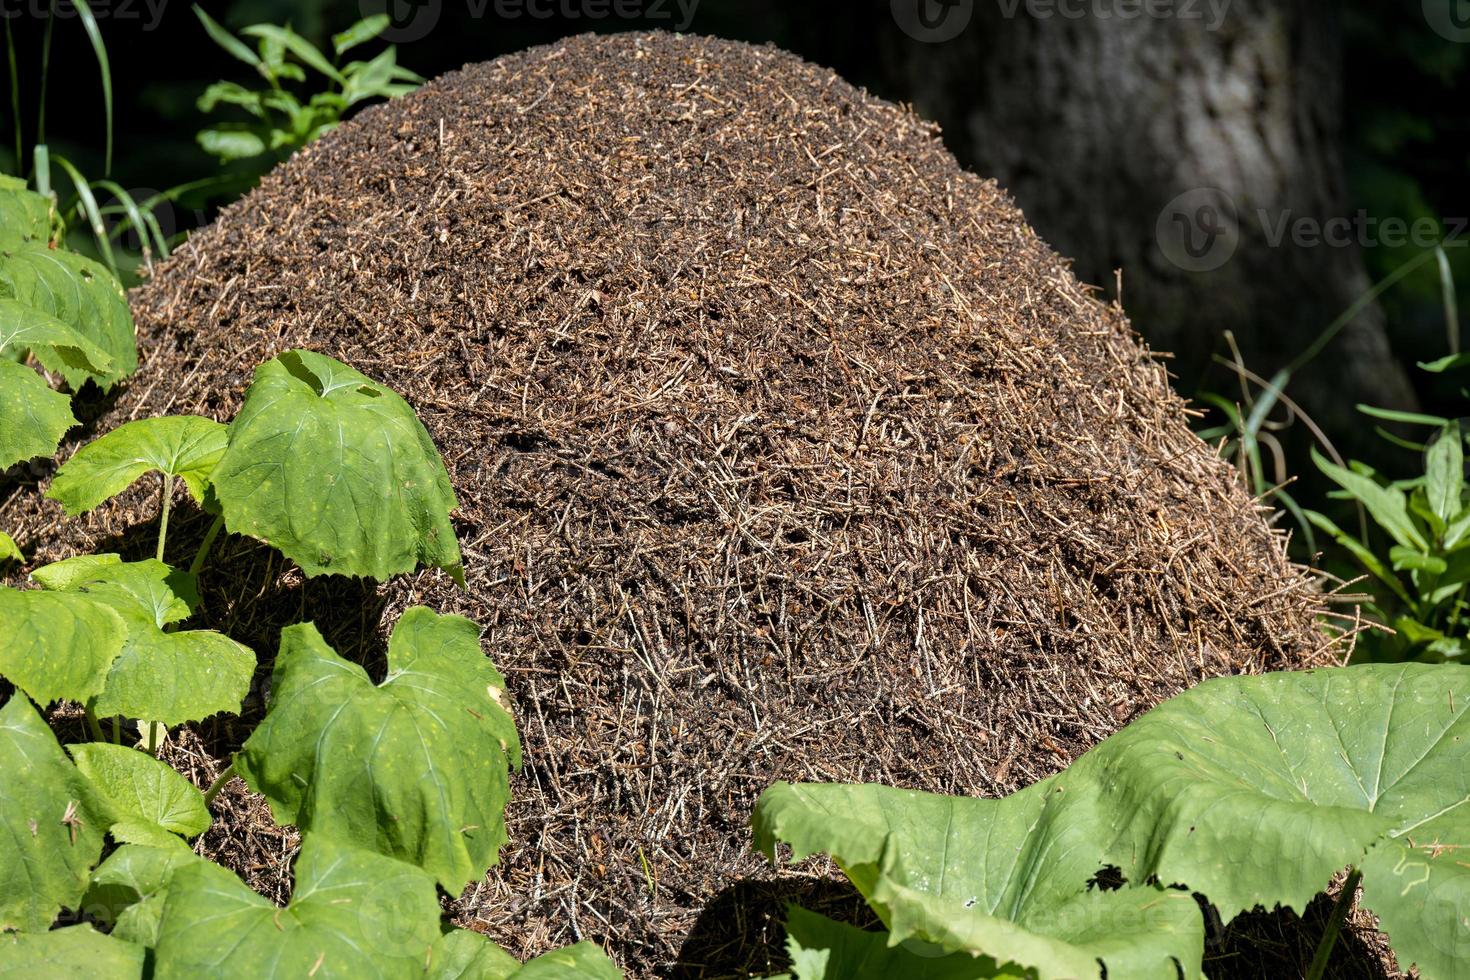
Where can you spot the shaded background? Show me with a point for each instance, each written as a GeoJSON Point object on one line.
{"type": "Point", "coordinates": [1183, 148]}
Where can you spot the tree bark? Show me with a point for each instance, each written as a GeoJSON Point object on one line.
{"type": "Point", "coordinates": [1097, 124]}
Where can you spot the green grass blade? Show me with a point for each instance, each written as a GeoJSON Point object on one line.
{"type": "Point", "coordinates": [14, 93]}
{"type": "Point", "coordinates": [94, 35]}
{"type": "Point", "coordinates": [1451, 305]}
{"type": "Point", "coordinates": [1358, 306]}
{"type": "Point", "coordinates": [89, 208]}
{"type": "Point", "coordinates": [226, 40]}
{"type": "Point", "coordinates": [134, 218]}
{"type": "Point", "coordinates": [1411, 418]}
{"type": "Point", "coordinates": [45, 74]}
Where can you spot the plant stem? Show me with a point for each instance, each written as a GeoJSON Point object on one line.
{"type": "Point", "coordinates": [197, 565]}
{"type": "Point", "coordinates": [219, 783]}
{"type": "Point", "coordinates": [1339, 914]}
{"type": "Point", "coordinates": [92, 724]}
{"type": "Point", "coordinates": [168, 498]}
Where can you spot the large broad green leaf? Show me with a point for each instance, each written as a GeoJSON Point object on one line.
{"type": "Point", "coordinates": [354, 915]}
{"type": "Point", "coordinates": [1004, 881]}
{"type": "Point", "coordinates": [76, 951]}
{"type": "Point", "coordinates": [25, 217]}
{"type": "Point", "coordinates": [336, 472]}
{"type": "Point", "coordinates": [140, 787]}
{"type": "Point", "coordinates": [464, 955]}
{"type": "Point", "coordinates": [184, 446]}
{"type": "Point", "coordinates": [33, 418]}
{"type": "Point", "coordinates": [821, 949]}
{"type": "Point", "coordinates": [1255, 790]}
{"type": "Point", "coordinates": [128, 890]}
{"type": "Point", "coordinates": [167, 677]}
{"type": "Point", "coordinates": [51, 822]}
{"type": "Point", "coordinates": [417, 768]}
{"type": "Point", "coordinates": [81, 294]}
{"type": "Point", "coordinates": [25, 328]}
{"type": "Point", "coordinates": [57, 646]}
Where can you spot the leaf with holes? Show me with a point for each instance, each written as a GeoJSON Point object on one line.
{"type": "Point", "coordinates": [162, 676]}
{"type": "Point", "coordinates": [353, 915]}
{"type": "Point", "coordinates": [186, 446]}
{"type": "Point", "coordinates": [51, 822]}
{"type": "Point", "coordinates": [336, 472]}
{"type": "Point", "coordinates": [140, 787]}
{"type": "Point", "coordinates": [76, 951]}
{"type": "Point", "coordinates": [417, 767]}
{"type": "Point", "coordinates": [1002, 882]}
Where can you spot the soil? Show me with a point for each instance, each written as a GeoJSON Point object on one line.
{"type": "Point", "coordinates": [785, 449]}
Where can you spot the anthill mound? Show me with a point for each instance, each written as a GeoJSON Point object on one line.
{"type": "Point", "coordinates": [786, 451]}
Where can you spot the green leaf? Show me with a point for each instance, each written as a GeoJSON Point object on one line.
{"type": "Point", "coordinates": [81, 294]}
{"type": "Point", "coordinates": [185, 446]}
{"type": "Point", "coordinates": [353, 914]}
{"type": "Point", "coordinates": [1001, 879]}
{"type": "Point", "coordinates": [1448, 363]}
{"type": "Point", "coordinates": [228, 143]}
{"type": "Point", "coordinates": [25, 216]}
{"type": "Point", "coordinates": [76, 951]}
{"type": "Point", "coordinates": [359, 33]}
{"type": "Point", "coordinates": [297, 45]}
{"type": "Point", "coordinates": [57, 646]}
{"type": "Point", "coordinates": [52, 822]}
{"type": "Point", "coordinates": [1410, 418]}
{"type": "Point", "coordinates": [1255, 790]}
{"type": "Point", "coordinates": [225, 39]}
{"type": "Point", "coordinates": [167, 677]}
{"type": "Point", "coordinates": [25, 328]}
{"type": "Point", "coordinates": [822, 949]}
{"type": "Point", "coordinates": [417, 768]}
{"type": "Point", "coordinates": [1361, 552]}
{"type": "Point", "coordinates": [138, 785]}
{"type": "Point", "coordinates": [1389, 507]}
{"type": "Point", "coordinates": [128, 890]}
{"type": "Point", "coordinates": [1407, 558]}
{"type": "Point", "coordinates": [463, 955]}
{"type": "Point", "coordinates": [33, 418]}
{"type": "Point", "coordinates": [336, 472]}
{"type": "Point", "coordinates": [9, 550]}
{"type": "Point", "coordinates": [1445, 473]}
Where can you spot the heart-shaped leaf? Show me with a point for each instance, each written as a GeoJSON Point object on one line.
{"type": "Point", "coordinates": [33, 418]}
{"type": "Point", "coordinates": [76, 951]}
{"type": "Point", "coordinates": [81, 294]}
{"type": "Point", "coordinates": [51, 822]}
{"type": "Point", "coordinates": [167, 677]}
{"type": "Point", "coordinates": [336, 472]}
{"type": "Point", "coordinates": [57, 646]}
{"type": "Point", "coordinates": [353, 915]}
{"type": "Point", "coordinates": [416, 768]}
{"type": "Point", "coordinates": [139, 786]}
{"type": "Point", "coordinates": [128, 890]}
{"type": "Point", "coordinates": [185, 446]}
{"type": "Point", "coordinates": [1003, 882]}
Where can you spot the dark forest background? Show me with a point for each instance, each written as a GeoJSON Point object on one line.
{"type": "Point", "coordinates": [1115, 133]}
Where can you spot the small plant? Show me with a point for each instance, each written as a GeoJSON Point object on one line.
{"type": "Point", "coordinates": [1246, 790]}
{"type": "Point", "coordinates": [280, 121]}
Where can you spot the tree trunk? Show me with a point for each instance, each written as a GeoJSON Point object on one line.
{"type": "Point", "coordinates": [1098, 124]}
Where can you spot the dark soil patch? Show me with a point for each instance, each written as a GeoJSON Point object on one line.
{"type": "Point", "coordinates": [786, 451]}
